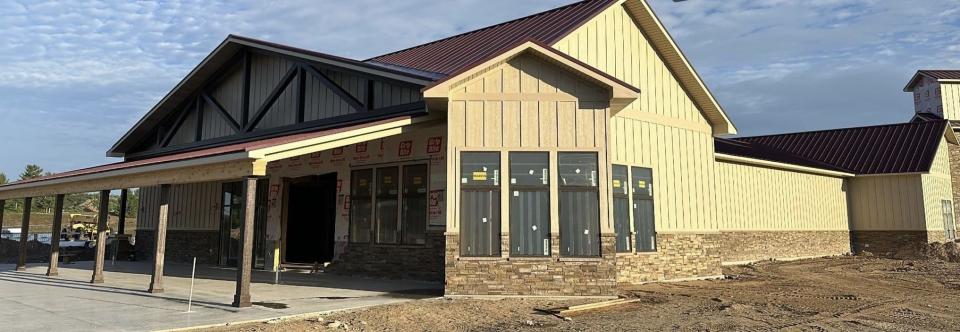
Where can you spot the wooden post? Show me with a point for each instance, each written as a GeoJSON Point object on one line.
{"type": "Point", "coordinates": [245, 263]}
{"type": "Point", "coordinates": [3, 208]}
{"type": "Point", "coordinates": [160, 245]}
{"type": "Point", "coordinates": [24, 230]}
{"type": "Point", "coordinates": [123, 212]}
{"type": "Point", "coordinates": [55, 236]}
{"type": "Point", "coordinates": [101, 237]}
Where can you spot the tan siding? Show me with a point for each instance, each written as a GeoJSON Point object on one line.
{"type": "Point", "coordinates": [950, 93]}
{"type": "Point", "coordinates": [753, 198]}
{"type": "Point", "coordinates": [937, 187]}
{"type": "Point", "coordinates": [893, 202]}
{"type": "Point", "coordinates": [527, 103]}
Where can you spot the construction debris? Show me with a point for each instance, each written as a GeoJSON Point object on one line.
{"type": "Point", "coordinates": [563, 312]}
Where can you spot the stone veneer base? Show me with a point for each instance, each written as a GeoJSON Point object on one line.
{"type": "Point", "coordinates": [548, 276]}
{"type": "Point", "coordinates": [890, 243]}
{"type": "Point", "coordinates": [414, 262]}
{"type": "Point", "coordinates": [751, 246]}
{"type": "Point", "coordinates": [678, 257]}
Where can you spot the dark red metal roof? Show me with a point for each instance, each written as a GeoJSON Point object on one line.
{"type": "Point", "coordinates": [455, 53]}
{"type": "Point", "coordinates": [942, 74]}
{"type": "Point", "coordinates": [885, 149]}
{"type": "Point", "coordinates": [209, 152]}
{"type": "Point", "coordinates": [757, 151]}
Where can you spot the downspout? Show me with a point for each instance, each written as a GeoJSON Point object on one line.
{"type": "Point", "coordinates": [849, 199]}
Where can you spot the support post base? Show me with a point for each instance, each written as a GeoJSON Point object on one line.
{"type": "Point", "coordinates": [155, 290]}
{"type": "Point", "coordinates": [21, 268]}
{"type": "Point", "coordinates": [242, 301]}
{"type": "Point", "coordinates": [53, 274]}
{"type": "Point", "coordinates": [97, 280]}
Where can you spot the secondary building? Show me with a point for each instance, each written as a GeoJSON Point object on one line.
{"type": "Point", "coordinates": [562, 153]}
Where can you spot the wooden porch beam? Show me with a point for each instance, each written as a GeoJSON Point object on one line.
{"type": "Point", "coordinates": [102, 236]}
{"type": "Point", "coordinates": [272, 98]}
{"type": "Point", "coordinates": [245, 99]}
{"type": "Point", "coordinates": [160, 243]}
{"type": "Point", "coordinates": [55, 236]}
{"type": "Point", "coordinates": [245, 263]}
{"type": "Point", "coordinates": [24, 234]}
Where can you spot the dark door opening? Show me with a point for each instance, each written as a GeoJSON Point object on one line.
{"type": "Point", "coordinates": [311, 216]}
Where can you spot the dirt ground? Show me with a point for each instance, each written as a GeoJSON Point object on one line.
{"type": "Point", "coordinates": [842, 293]}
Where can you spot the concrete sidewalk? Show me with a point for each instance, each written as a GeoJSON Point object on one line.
{"type": "Point", "coordinates": [30, 301]}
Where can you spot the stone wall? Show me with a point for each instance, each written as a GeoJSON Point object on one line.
{"type": "Point", "coordinates": [182, 246]}
{"type": "Point", "coordinates": [547, 276]}
{"type": "Point", "coordinates": [421, 262]}
{"type": "Point", "coordinates": [755, 246]}
{"type": "Point", "coordinates": [888, 243]}
{"type": "Point", "coordinates": [678, 257]}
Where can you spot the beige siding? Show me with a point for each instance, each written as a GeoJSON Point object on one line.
{"type": "Point", "coordinates": [662, 129]}
{"type": "Point", "coordinates": [950, 93]}
{"type": "Point", "coordinates": [527, 103]}
{"type": "Point", "coordinates": [194, 206]}
{"type": "Point", "coordinates": [937, 188]}
{"type": "Point", "coordinates": [752, 198]}
{"type": "Point", "coordinates": [893, 202]}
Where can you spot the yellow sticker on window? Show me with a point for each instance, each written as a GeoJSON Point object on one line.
{"type": "Point", "coordinates": [387, 179]}
{"type": "Point", "coordinates": [417, 179]}
{"type": "Point", "coordinates": [362, 183]}
{"type": "Point", "coordinates": [616, 183]}
{"type": "Point", "coordinates": [479, 176]}
{"type": "Point", "coordinates": [642, 184]}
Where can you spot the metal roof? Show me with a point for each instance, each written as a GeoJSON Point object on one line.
{"type": "Point", "coordinates": [937, 74]}
{"type": "Point", "coordinates": [452, 54]}
{"type": "Point", "coordinates": [884, 149]}
{"type": "Point", "coordinates": [206, 153]}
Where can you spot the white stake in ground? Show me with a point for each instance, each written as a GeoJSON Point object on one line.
{"type": "Point", "coordinates": [193, 274]}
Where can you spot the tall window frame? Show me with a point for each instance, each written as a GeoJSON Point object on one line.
{"type": "Point", "coordinates": [620, 203]}
{"type": "Point", "coordinates": [530, 210]}
{"type": "Point", "coordinates": [579, 202]}
{"type": "Point", "coordinates": [644, 216]}
{"type": "Point", "coordinates": [949, 226]}
{"type": "Point", "coordinates": [388, 207]}
{"type": "Point", "coordinates": [480, 214]}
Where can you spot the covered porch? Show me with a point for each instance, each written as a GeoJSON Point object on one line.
{"type": "Point", "coordinates": [246, 163]}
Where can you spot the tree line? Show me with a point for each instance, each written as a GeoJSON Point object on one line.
{"type": "Point", "coordinates": [72, 203]}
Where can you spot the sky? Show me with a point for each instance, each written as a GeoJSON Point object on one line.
{"type": "Point", "coordinates": [75, 75]}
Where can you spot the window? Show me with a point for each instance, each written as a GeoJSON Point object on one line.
{"type": "Point", "coordinates": [414, 200]}
{"type": "Point", "coordinates": [529, 204]}
{"type": "Point", "coordinates": [387, 190]}
{"type": "Point", "coordinates": [579, 204]}
{"type": "Point", "coordinates": [948, 225]}
{"type": "Point", "coordinates": [231, 221]}
{"type": "Point", "coordinates": [480, 204]}
{"type": "Point", "coordinates": [621, 207]}
{"type": "Point", "coordinates": [643, 219]}
{"type": "Point", "coordinates": [361, 205]}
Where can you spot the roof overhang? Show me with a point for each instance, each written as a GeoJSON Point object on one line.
{"type": "Point", "coordinates": [226, 53]}
{"type": "Point", "coordinates": [779, 165]}
{"type": "Point", "coordinates": [212, 164]}
{"type": "Point", "coordinates": [663, 43]}
{"type": "Point", "coordinates": [621, 93]}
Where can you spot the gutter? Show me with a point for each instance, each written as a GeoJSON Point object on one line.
{"type": "Point", "coordinates": [791, 167]}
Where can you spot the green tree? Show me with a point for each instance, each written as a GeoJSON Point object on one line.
{"type": "Point", "coordinates": [3, 178]}
{"type": "Point", "coordinates": [31, 172]}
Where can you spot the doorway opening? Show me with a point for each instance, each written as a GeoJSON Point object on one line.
{"type": "Point", "coordinates": [311, 218]}
{"type": "Point", "coordinates": [231, 221]}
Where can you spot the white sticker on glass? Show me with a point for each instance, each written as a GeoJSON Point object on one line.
{"type": "Point", "coordinates": [534, 227]}
{"type": "Point", "coordinates": [516, 194]}
{"type": "Point", "coordinates": [484, 219]}
{"type": "Point", "coordinates": [586, 232]}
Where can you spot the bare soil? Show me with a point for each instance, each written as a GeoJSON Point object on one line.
{"type": "Point", "coordinates": [828, 294]}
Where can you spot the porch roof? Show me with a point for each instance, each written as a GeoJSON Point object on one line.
{"type": "Point", "coordinates": [217, 163]}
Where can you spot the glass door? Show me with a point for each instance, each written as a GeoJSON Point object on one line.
{"type": "Point", "coordinates": [231, 223]}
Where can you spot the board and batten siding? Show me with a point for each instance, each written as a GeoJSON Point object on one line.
{"type": "Point", "coordinates": [266, 72]}
{"type": "Point", "coordinates": [527, 103]}
{"type": "Point", "coordinates": [950, 93]}
{"type": "Point", "coordinates": [905, 201]}
{"type": "Point", "coordinates": [194, 207]}
{"type": "Point", "coordinates": [663, 129]}
{"type": "Point", "coordinates": [753, 198]}
{"type": "Point", "coordinates": [937, 187]}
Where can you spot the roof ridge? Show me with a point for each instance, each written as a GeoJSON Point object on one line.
{"type": "Point", "coordinates": [486, 28]}
{"type": "Point", "coordinates": [840, 129]}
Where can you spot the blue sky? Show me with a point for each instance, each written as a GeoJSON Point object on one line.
{"type": "Point", "coordinates": [75, 75]}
